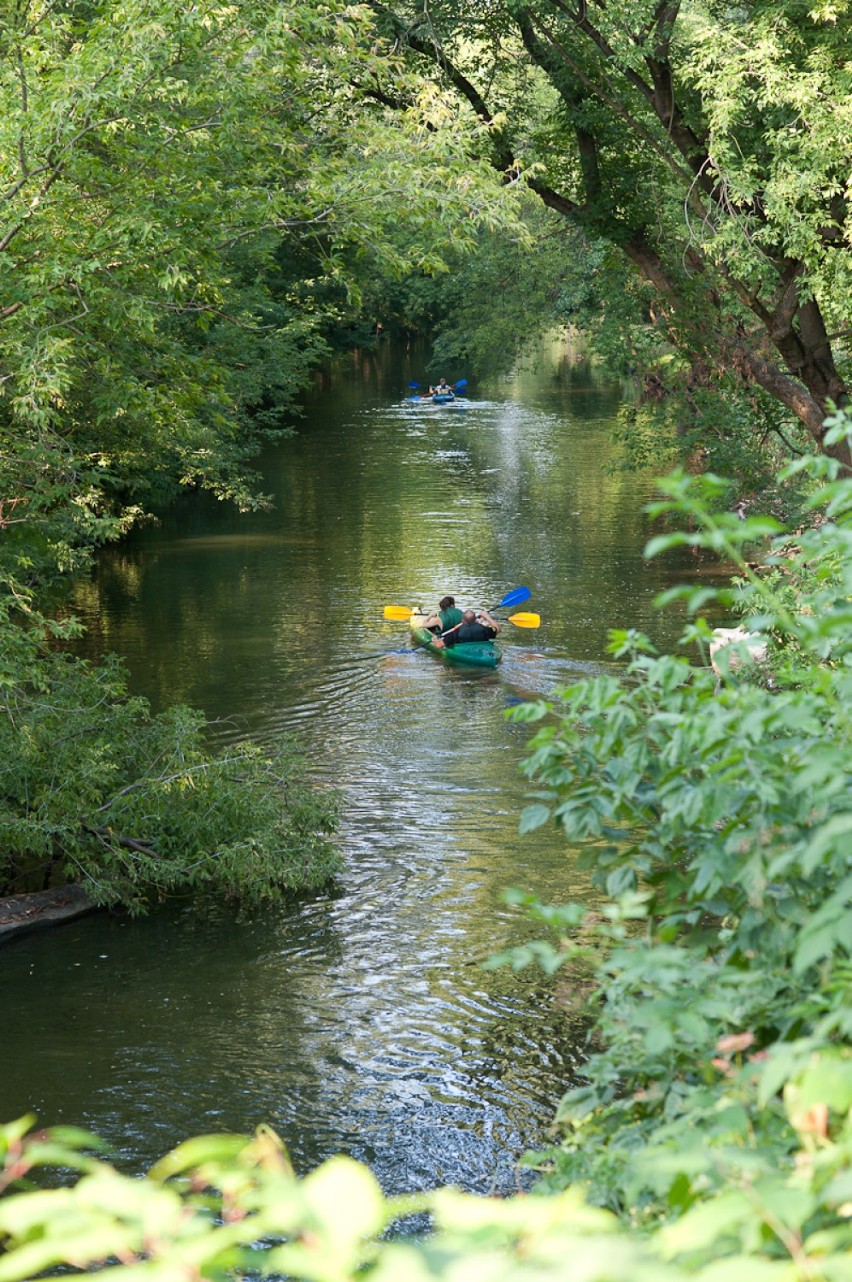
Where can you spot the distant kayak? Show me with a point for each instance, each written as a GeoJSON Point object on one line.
{"type": "Point", "coordinates": [466, 654]}
{"type": "Point", "coordinates": [438, 395]}
{"type": "Point", "coordinates": [437, 398]}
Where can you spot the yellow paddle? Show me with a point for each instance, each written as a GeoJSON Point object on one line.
{"type": "Point", "coordinates": [525, 620]}
{"type": "Point", "coordinates": [401, 614]}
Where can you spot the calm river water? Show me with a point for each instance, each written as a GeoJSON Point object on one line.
{"type": "Point", "coordinates": [360, 1021]}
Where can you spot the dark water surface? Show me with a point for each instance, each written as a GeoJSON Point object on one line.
{"type": "Point", "coordinates": [360, 1021]}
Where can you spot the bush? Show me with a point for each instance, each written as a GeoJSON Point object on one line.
{"type": "Point", "coordinates": [717, 823]}
{"type": "Point", "coordinates": [228, 1206]}
{"type": "Point", "coordinates": [96, 789]}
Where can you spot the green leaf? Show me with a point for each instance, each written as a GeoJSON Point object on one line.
{"type": "Point", "coordinates": [706, 1224]}
{"type": "Point", "coordinates": [200, 1151]}
{"type": "Point", "coordinates": [533, 817]}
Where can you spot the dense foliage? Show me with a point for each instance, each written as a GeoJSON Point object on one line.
{"type": "Point", "coordinates": [706, 143]}
{"type": "Point", "coordinates": [716, 822]}
{"type": "Point", "coordinates": [188, 195]}
{"type": "Point", "coordinates": [96, 790]}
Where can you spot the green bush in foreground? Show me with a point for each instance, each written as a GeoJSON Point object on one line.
{"type": "Point", "coordinates": [226, 1206]}
{"type": "Point", "coordinates": [95, 789]}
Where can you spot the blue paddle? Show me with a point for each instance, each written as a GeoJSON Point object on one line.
{"type": "Point", "coordinates": [414, 399]}
{"type": "Point", "coordinates": [402, 613]}
{"type": "Point", "coordinates": [516, 597]}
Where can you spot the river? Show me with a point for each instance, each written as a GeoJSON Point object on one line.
{"type": "Point", "coordinates": [360, 1021]}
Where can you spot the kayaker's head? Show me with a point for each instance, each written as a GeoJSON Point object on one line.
{"type": "Point", "coordinates": [446, 602]}
{"type": "Point", "coordinates": [469, 616]}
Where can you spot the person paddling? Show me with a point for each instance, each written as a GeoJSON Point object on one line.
{"type": "Point", "coordinates": [471, 628]}
{"type": "Point", "coordinates": [448, 616]}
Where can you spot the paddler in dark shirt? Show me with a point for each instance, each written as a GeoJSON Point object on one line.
{"type": "Point", "coordinates": [471, 628]}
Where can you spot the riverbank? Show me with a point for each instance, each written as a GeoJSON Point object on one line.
{"type": "Point", "coordinates": [20, 914]}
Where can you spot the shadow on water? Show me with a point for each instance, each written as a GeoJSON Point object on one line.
{"type": "Point", "coordinates": [360, 1021]}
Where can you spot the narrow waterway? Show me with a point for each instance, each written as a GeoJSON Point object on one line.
{"type": "Point", "coordinates": [360, 1021]}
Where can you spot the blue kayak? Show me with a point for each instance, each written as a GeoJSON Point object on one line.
{"type": "Point", "coordinates": [437, 398]}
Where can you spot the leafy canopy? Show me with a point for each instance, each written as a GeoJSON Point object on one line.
{"type": "Point", "coordinates": [706, 143]}
{"type": "Point", "coordinates": [179, 185]}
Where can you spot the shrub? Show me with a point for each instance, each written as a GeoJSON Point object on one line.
{"type": "Point", "coordinates": [717, 824]}
{"type": "Point", "coordinates": [135, 807]}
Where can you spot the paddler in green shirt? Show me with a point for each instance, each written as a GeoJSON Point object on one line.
{"type": "Point", "coordinates": [448, 616]}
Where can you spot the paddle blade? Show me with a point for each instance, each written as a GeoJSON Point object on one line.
{"type": "Point", "coordinates": [525, 620]}
{"type": "Point", "coordinates": [398, 612]}
{"type": "Point", "coordinates": [516, 597]}
{"type": "Point", "coordinates": [461, 383]}
{"type": "Point", "coordinates": [414, 386]}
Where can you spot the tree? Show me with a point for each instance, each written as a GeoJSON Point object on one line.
{"type": "Point", "coordinates": [498, 295]}
{"type": "Point", "coordinates": [708, 143]}
{"type": "Point", "coordinates": [163, 167]}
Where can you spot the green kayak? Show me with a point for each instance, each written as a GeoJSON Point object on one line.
{"type": "Point", "coordinates": [467, 654]}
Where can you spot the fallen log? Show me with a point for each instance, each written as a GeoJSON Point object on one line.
{"type": "Point", "coordinates": [22, 913]}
